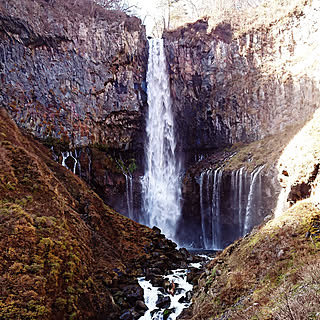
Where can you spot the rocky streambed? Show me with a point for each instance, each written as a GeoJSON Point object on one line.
{"type": "Point", "coordinates": [159, 285]}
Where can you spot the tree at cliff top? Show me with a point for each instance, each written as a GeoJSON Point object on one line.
{"type": "Point", "coordinates": [174, 13]}
{"type": "Point", "coordinates": [241, 14]}
{"type": "Point", "coordinates": [121, 5]}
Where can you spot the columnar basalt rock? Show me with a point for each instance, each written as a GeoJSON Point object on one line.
{"type": "Point", "coordinates": [229, 86]}
{"type": "Point", "coordinates": [73, 73]}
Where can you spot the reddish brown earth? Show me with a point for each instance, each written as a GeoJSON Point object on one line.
{"type": "Point", "coordinates": [61, 247]}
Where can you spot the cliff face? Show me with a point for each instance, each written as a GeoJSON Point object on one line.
{"type": "Point", "coordinates": [229, 87]}
{"type": "Point", "coordinates": [74, 72]}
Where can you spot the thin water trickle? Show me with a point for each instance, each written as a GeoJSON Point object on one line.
{"type": "Point", "coordinates": [160, 185]}
{"type": "Point", "coordinates": [253, 194]}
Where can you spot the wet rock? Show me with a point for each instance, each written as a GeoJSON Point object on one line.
{"type": "Point", "coordinates": [140, 305]}
{"type": "Point", "coordinates": [163, 301]}
{"type": "Point", "coordinates": [133, 293]}
{"type": "Point", "coordinates": [156, 280]}
{"type": "Point", "coordinates": [127, 316]}
{"type": "Point", "coordinates": [156, 230]}
{"type": "Point", "coordinates": [153, 271]}
{"type": "Point", "coordinates": [185, 253]}
{"type": "Point", "coordinates": [186, 298]}
{"type": "Point", "coordinates": [194, 275]}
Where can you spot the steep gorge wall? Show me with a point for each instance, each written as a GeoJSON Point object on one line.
{"type": "Point", "coordinates": [73, 75]}
{"type": "Point", "coordinates": [229, 86]}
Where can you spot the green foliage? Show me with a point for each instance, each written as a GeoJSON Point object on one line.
{"type": "Point", "coordinates": [132, 165]}
{"type": "Point", "coordinates": [211, 277]}
{"type": "Point", "coordinates": [59, 145]}
{"type": "Point", "coordinates": [166, 313]}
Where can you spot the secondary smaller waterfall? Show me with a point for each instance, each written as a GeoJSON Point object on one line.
{"type": "Point", "coordinates": [216, 198]}
{"type": "Point", "coordinates": [229, 205]}
{"type": "Point", "coordinates": [129, 194]}
{"type": "Point", "coordinates": [210, 190]}
{"type": "Point", "coordinates": [253, 198]}
{"type": "Point", "coordinates": [129, 189]}
{"type": "Point", "coordinates": [160, 185]}
{"type": "Point", "coordinates": [73, 155]}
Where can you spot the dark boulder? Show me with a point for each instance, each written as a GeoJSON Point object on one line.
{"type": "Point", "coordinates": [163, 302]}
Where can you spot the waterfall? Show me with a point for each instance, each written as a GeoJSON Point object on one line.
{"type": "Point", "coordinates": [241, 185]}
{"type": "Point", "coordinates": [210, 198]}
{"type": "Point", "coordinates": [231, 214]}
{"type": "Point", "coordinates": [129, 195]}
{"type": "Point", "coordinates": [254, 195]}
{"type": "Point", "coordinates": [75, 157]}
{"type": "Point", "coordinates": [202, 211]}
{"type": "Point", "coordinates": [160, 184]}
{"type": "Point", "coordinates": [216, 212]}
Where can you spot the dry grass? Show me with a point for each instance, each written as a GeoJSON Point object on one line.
{"type": "Point", "coordinates": [59, 242]}
{"type": "Point", "coordinates": [266, 151]}
{"type": "Point", "coordinates": [265, 275]}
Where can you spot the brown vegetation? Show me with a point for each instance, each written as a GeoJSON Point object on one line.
{"type": "Point", "coordinates": [270, 274]}
{"type": "Point", "coordinates": [60, 245]}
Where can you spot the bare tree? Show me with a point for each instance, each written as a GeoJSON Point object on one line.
{"type": "Point", "coordinates": [121, 5]}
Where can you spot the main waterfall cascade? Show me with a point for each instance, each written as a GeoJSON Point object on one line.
{"type": "Point", "coordinates": [161, 189]}
{"type": "Point", "coordinates": [243, 204]}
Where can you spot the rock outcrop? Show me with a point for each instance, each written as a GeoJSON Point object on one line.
{"type": "Point", "coordinates": [73, 74]}
{"type": "Point", "coordinates": [233, 86]}
{"type": "Point", "coordinates": [230, 86]}
{"type": "Point", "coordinates": [73, 71]}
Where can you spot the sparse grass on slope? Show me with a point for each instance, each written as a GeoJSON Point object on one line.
{"type": "Point", "coordinates": [271, 274]}
{"type": "Point", "coordinates": [59, 243]}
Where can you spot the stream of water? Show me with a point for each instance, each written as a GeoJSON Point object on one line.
{"type": "Point", "coordinates": [178, 301]}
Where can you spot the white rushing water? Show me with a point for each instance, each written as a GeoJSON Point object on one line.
{"type": "Point", "coordinates": [160, 184]}
{"type": "Point", "coordinates": [151, 294]}
{"type": "Point", "coordinates": [75, 156]}
{"type": "Point", "coordinates": [210, 197]}
{"type": "Point", "coordinates": [129, 194]}
{"type": "Point", "coordinates": [255, 190]}
{"type": "Point", "coordinates": [216, 199]}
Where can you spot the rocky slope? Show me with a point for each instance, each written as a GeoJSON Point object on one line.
{"type": "Point", "coordinates": [271, 274]}
{"type": "Point", "coordinates": [64, 253]}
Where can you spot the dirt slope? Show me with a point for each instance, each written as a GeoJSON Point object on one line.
{"type": "Point", "coordinates": [61, 247]}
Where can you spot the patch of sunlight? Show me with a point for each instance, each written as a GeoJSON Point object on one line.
{"type": "Point", "coordinates": [298, 160]}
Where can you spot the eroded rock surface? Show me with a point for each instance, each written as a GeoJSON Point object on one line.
{"type": "Point", "coordinates": [73, 71]}
{"type": "Point", "coordinates": [229, 87]}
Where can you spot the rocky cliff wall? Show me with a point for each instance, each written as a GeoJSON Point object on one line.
{"type": "Point", "coordinates": [229, 86]}
{"type": "Point", "coordinates": [73, 71]}
{"type": "Point", "coordinates": [73, 75]}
